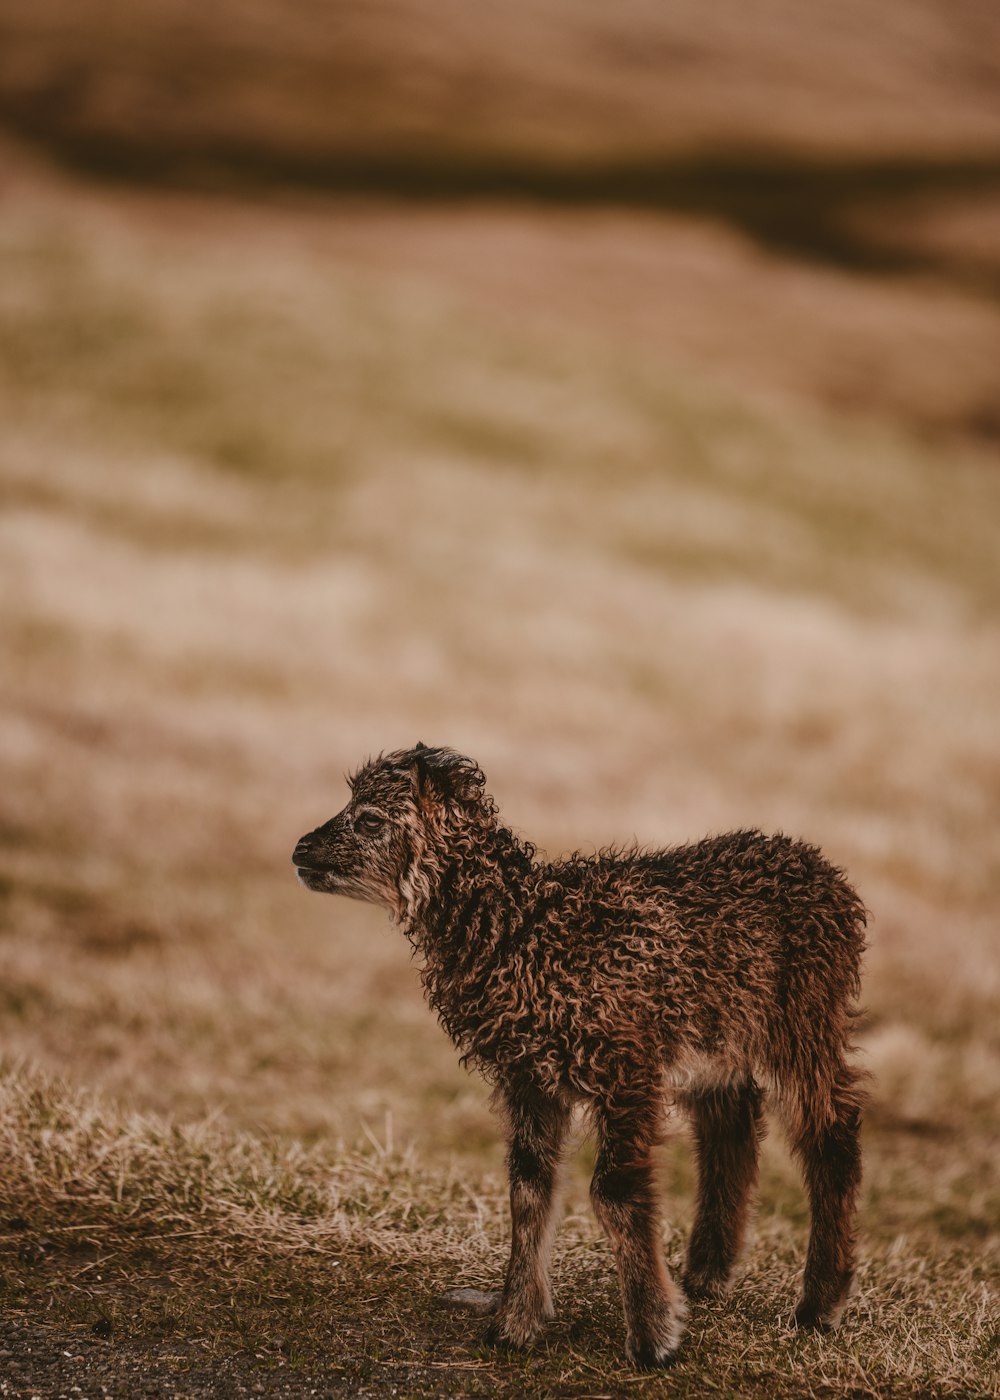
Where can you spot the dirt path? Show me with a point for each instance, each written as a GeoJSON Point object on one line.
{"type": "Point", "coordinates": [51, 1364]}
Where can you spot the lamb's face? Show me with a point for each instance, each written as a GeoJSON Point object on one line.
{"type": "Point", "coordinates": [364, 851]}
{"type": "Point", "coordinates": [371, 849]}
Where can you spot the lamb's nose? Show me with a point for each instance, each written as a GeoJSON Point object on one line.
{"type": "Point", "coordinates": [300, 856]}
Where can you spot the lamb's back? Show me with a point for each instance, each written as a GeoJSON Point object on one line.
{"type": "Point", "coordinates": [629, 954]}
{"type": "Point", "coordinates": [742, 905]}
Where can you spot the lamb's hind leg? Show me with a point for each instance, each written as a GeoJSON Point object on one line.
{"type": "Point", "coordinates": [537, 1125]}
{"type": "Point", "coordinates": [828, 1145]}
{"type": "Point", "coordinates": [728, 1126]}
{"type": "Point", "coordinates": [624, 1194]}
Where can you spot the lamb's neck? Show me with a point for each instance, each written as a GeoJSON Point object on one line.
{"type": "Point", "coordinates": [474, 878]}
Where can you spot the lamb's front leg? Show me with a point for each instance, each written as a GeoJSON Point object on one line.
{"type": "Point", "coordinates": [624, 1194]}
{"type": "Point", "coordinates": [537, 1125]}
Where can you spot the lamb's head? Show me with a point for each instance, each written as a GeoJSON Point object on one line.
{"type": "Point", "coordinates": [402, 807]}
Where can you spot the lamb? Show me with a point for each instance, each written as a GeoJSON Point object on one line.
{"type": "Point", "coordinates": [706, 975]}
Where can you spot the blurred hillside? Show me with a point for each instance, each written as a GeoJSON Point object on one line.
{"type": "Point", "coordinates": [543, 82]}
{"type": "Point", "coordinates": [291, 479]}
{"type": "Point", "coordinates": [270, 507]}
{"type": "Point", "coordinates": [820, 193]}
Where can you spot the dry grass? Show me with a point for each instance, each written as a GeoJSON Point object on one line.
{"type": "Point", "coordinates": [269, 505]}
{"type": "Point", "coordinates": [326, 1267]}
{"type": "Point", "coordinates": [915, 349]}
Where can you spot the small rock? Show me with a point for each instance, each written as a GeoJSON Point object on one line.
{"type": "Point", "coordinates": [473, 1300]}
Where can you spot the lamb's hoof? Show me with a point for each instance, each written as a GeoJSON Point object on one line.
{"type": "Point", "coordinates": [498, 1339]}
{"type": "Point", "coordinates": [820, 1313]}
{"type": "Point", "coordinates": [472, 1300]}
{"type": "Point", "coordinates": [704, 1286]}
{"type": "Point", "coordinates": [651, 1356]}
{"type": "Point", "coordinates": [810, 1317]}
{"type": "Point", "coordinates": [656, 1348]}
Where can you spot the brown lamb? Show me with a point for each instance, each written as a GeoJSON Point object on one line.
{"type": "Point", "coordinates": [706, 975]}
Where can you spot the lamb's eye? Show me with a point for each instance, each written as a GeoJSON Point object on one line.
{"type": "Point", "coordinates": [369, 823]}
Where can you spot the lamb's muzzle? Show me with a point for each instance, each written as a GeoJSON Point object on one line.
{"type": "Point", "coordinates": [711, 973]}
{"type": "Point", "coordinates": [303, 857]}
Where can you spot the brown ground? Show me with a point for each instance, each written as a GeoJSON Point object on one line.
{"type": "Point", "coordinates": [45, 1361]}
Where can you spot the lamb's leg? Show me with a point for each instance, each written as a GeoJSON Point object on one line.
{"type": "Point", "coordinates": [537, 1127]}
{"type": "Point", "coordinates": [728, 1125]}
{"type": "Point", "coordinates": [624, 1194]}
{"type": "Point", "coordinates": [830, 1152]}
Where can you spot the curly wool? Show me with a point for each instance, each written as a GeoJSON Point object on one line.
{"type": "Point", "coordinates": [742, 949]}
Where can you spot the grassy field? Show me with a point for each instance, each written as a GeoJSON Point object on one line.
{"type": "Point", "coordinates": [283, 486]}
{"type": "Point", "coordinates": [317, 1271]}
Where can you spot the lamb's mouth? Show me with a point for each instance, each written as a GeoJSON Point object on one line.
{"type": "Point", "coordinates": [314, 877]}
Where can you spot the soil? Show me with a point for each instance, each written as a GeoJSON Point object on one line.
{"type": "Point", "coordinates": [51, 1364]}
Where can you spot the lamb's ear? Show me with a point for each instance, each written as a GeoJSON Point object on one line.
{"type": "Point", "coordinates": [443, 776]}
{"type": "Point", "coordinates": [421, 774]}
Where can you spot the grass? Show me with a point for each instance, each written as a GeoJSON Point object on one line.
{"type": "Point", "coordinates": [274, 500]}
{"type": "Point", "coordinates": [331, 1262]}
